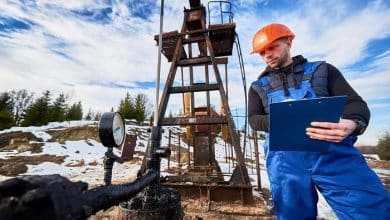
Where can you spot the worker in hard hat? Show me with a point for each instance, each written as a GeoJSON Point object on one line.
{"type": "Point", "coordinates": [341, 175]}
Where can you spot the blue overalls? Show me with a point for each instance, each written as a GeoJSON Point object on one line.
{"type": "Point", "coordinates": [342, 176]}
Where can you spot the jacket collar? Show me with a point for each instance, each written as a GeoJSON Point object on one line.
{"type": "Point", "coordinates": [297, 60]}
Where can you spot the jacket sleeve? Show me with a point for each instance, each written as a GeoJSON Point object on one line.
{"type": "Point", "coordinates": [355, 107]}
{"type": "Point", "coordinates": [258, 119]}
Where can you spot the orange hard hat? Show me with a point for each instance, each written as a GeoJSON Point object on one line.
{"type": "Point", "coordinates": [268, 34]}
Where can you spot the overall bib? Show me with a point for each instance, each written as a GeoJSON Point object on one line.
{"type": "Point", "coordinates": [342, 176]}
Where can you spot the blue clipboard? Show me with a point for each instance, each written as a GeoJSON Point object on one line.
{"type": "Point", "coordinates": [289, 120]}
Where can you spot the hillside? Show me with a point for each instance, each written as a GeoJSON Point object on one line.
{"type": "Point", "coordinates": [73, 150]}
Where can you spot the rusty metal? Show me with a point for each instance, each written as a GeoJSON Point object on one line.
{"type": "Point", "coordinates": [202, 155]}
{"type": "Point", "coordinates": [217, 192]}
{"type": "Point", "coordinates": [203, 170]}
{"type": "Point", "coordinates": [240, 174]}
{"type": "Point", "coordinates": [128, 147]}
{"type": "Point", "coordinates": [194, 88]}
{"type": "Point", "coordinates": [193, 121]}
{"type": "Point", "coordinates": [222, 38]}
{"type": "Point", "coordinates": [194, 18]}
{"type": "Point", "coordinates": [194, 3]}
{"type": "Point", "coordinates": [206, 112]}
{"type": "Point", "coordinates": [194, 61]}
{"type": "Point", "coordinates": [169, 42]}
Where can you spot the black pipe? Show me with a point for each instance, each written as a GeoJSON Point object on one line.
{"type": "Point", "coordinates": [106, 196]}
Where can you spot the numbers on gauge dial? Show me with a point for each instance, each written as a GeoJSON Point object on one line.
{"type": "Point", "coordinates": [118, 129]}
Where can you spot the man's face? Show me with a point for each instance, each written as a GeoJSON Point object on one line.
{"type": "Point", "coordinates": [277, 54]}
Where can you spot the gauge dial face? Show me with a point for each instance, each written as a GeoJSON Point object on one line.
{"type": "Point", "coordinates": [118, 129]}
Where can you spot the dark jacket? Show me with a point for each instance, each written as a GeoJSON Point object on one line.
{"type": "Point", "coordinates": [355, 107]}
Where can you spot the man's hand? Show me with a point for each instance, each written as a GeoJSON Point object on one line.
{"type": "Point", "coordinates": [333, 132]}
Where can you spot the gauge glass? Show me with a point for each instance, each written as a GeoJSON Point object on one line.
{"type": "Point", "coordinates": [118, 129]}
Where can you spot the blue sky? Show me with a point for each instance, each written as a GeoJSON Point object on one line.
{"type": "Point", "coordinates": [97, 50]}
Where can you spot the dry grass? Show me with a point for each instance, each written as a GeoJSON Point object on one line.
{"type": "Point", "coordinates": [382, 164]}
{"type": "Point", "coordinates": [14, 166]}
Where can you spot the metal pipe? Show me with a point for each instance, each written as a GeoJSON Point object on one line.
{"type": "Point", "coordinates": [169, 146]}
{"type": "Point", "coordinates": [220, 5]}
{"type": "Point", "coordinates": [178, 151]}
{"type": "Point", "coordinates": [182, 84]}
{"type": "Point", "coordinates": [104, 197]}
{"type": "Point", "coordinates": [229, 10]}
{"type": "Point", "coordinates": [258, 171]}
{"type": "Point", "coordinates": [242, 68]}
{"type": "Point", "coordinates": [251, 153]}
{"type": "Point", "coordinates": [155, 122]}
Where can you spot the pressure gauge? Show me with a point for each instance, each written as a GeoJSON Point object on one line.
{"type": "Point", "coordinates": [111, 129]}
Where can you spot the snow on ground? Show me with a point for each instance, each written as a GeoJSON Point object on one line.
{"type": "Point", "coordinates": [51, 125]}
{"type": "Point", "coordinates": [382, 172]}
{"type": "Point", "coordinates": [91, 153]}
{"type": "Point", "coordinates": [77, 151]}
{"type": "Point", "coordinates": [372, 156]}
{"type": "Point", "coordinates": [324, 210]}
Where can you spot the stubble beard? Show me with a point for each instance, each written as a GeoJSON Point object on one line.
{"type": "Point", "coordinates": [282, 61]}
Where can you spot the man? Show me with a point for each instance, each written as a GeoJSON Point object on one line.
{"type": "Point", "coordinates": [342, 176]}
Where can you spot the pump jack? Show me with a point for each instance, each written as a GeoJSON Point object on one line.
{"type": "Point", "coordinates": [214, 43]}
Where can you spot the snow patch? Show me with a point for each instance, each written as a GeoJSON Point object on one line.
{"type": "Point", "coordinates": [51, 125]}
{"type": "Point", "coordinates": [46, 168]}
{"type": "Point", "coordinates": [42, 135]}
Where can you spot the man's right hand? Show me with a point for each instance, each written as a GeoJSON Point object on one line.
{"type": "Point", "coordinates": [333, 132]}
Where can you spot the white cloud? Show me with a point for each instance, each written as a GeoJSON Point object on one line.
{"type": "Point", "coordinates": [375, 82]}
{"type": "Point", "coordinates": [97, 52]}
{"type": "Point", "coordinates": [326, 30]}
{"type": "Point", "coordinates": [69, 4]}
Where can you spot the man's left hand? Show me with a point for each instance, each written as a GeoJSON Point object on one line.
{"type": "Point", "coordinates": [333, 132]}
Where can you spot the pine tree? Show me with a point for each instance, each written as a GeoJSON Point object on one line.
{"type": "Point", "coordinates": [6, 106]}
{"type": "Point", "coordinates": [126, 107]}
{"type": "Point", "coordinates": [22, 100]}
{"type": "Point", "coordinates": [75, 112]}
{"type": "Point", "coordinates": [140, 105]}
{"type": "Point", "coordinates": [38, 113]}
{"type": "Point", "coordinates": [58, 109]}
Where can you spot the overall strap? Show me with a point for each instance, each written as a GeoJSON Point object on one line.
{"type": "Point", "coordinates": [316, 73]}
{"type": "Point", "coordinates": [262, 88]}
{"type": "Point", "coordinates": [309, 68]}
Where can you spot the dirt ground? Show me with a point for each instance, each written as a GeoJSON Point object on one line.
{"type": "Point", "coordinates": [382, 164]}
{"type": "Point", "coordinates": [193, 209]}
{"type": "Point", "coordinates": [202, 209]}
{"type": "Point", "coordinates": [14, 166]}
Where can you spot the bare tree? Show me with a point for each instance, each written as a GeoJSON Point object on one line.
{"type": "Point", "coordinates": [21, 101]}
